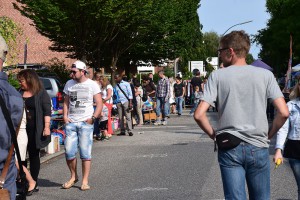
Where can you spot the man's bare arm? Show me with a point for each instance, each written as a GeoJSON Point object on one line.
{"type": "Point", "coordinates": [202, 120]}
{"type": "Point", "coordinates": [281, 116]}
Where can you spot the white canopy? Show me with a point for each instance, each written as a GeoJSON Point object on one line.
{"type": "Point", "coordinates": [296, 68]}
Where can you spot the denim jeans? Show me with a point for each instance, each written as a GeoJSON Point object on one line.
{"type": "Point", "coordinates": [194, 107]}
{"type": "Point", "coordinates": [295, 165]}
{"type": "Point", "coordinates": [79, 134]}
{"type": "Point", "coordinates": [161, 104]}
{"type": "Point", "coordinates": [179, 101]}
{"type": "Point", "coordinates": [245, 163]}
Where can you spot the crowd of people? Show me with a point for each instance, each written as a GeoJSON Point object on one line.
{"type": "Point", "coordinates": [238, 89]}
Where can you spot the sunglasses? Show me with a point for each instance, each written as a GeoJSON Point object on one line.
{"type": "Point", "coordinates": [222, 49]}
{"type": "Point", "coordinates": [74, 72]}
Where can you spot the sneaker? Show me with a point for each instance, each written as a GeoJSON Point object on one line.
{"type": "Point", "coordinates": [105, 138]}
{"type": "Point", "coordinates": [164, 123]}
{"type": "Point", "coordinates": [157, 123]}
{"type": "Point", "coordinates": [130, 134]}
{"type": "Point", "coordinates": [98, 138]}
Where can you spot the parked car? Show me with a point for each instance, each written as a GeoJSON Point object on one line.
{"type": "Point", "coordinates": [54, 88]}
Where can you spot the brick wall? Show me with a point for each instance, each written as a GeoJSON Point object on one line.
{"type": "Point", "coordinates": [38, 45]}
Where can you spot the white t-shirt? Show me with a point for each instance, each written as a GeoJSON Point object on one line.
{"type": "Point", "coordinates": [104, 93]}
{"type": "Point", "coordinates": [81, 97]}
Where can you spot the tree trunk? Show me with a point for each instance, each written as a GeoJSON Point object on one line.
{"type": "Point", "coordinates": [113, 69]}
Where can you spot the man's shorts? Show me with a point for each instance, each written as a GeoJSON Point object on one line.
{"type": "Point", "coordinates": [79, 134]}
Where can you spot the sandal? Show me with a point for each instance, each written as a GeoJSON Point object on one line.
{"type": "Point", "coordinates": [85, 187]}
{"type": "Point", "coordinates": [69, 184]}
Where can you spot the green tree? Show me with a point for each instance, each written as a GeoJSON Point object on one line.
{"type": "Point", "coordinates": [249, 58]}
{"type": "Point", "coordinates": [10, 32]}
{"type": "Point", "coordinates": [59, 68]}
{"type": "Point", "coordinates": [275, 38]}
{"type": "Point", "coordinates": [103, 32]}
{"type": "Point", "coordinates": [211, 44]}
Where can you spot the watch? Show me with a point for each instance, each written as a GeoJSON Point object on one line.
{"type": "Point", "coordinates": [93, 118]}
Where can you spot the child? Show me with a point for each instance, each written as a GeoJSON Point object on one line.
{"type": "Point", "coordinates": [103, 123]}
{"type": "Point", "coordinates": [197, 97]}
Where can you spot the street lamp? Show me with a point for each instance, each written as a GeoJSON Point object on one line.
{"type": "Point", "coordinates": [229, 29]}
{"type": "Point", "coordinates": [236, 25]}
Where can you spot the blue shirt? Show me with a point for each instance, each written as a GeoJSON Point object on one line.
{"type": "Point", "coordinates": [127, 90]}
{"type": "Point", "coordinates": [291, 127]}
{"type": "Point", "coordinates": [14, 104]}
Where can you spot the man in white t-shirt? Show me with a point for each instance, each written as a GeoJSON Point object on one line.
{"type": "Point", "coordinates": [79, 116]}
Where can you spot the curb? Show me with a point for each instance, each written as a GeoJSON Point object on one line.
{"type": "Point", "coordinates": [48, 157]}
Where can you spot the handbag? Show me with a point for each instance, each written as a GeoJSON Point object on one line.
{"type": "Point", "coordinates": [227, 141]}
{"type": "Point", "coordinates": [22, 193]}
{"type": "Point", "coordinates": [4, 193]}
{"type": "Point", "coordinates": [292, 149]}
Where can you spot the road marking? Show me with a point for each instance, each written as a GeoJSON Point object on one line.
{"type": "Point", "coordinates": [149, 189]}
{"type": "Point", "coordinates": [152, 156]}
{"type": "Point", "coordinates": [169, 126]}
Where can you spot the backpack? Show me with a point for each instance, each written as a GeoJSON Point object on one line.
{"type": "Point", "coordinates": [145, 96]}
{"type": "Point", "coordinates": [116, 98]}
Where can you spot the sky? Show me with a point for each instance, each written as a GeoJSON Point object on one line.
{"type": "Point", "coordinates": [219, 15]}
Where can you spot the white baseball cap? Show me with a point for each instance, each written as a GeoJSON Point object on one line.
{"type": "Point", "coordinates": [3, 48]}
{"type": "Point", "coordinates": [79, 65]}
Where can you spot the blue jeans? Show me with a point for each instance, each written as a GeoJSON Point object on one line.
{"type": "Point", "coordinates": [245, 163]}
{"type": "Point", "coordinates": [295, 165]}
{"type": "Point", "coordinates": [179, 101]}
{"type": "Point", "coordinates": [194, 107]}
{"type": "Point", "coordinates": [161, 105]}
{"type": "Point", "coordinates": [79, 134]}
{"type": "Point", "coordinates": [168, 108]}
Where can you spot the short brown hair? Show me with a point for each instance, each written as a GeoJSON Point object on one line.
{"type": "Point", "coordinates": [239, 41]}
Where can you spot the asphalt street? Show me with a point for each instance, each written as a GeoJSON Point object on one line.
{"type": "Point", "coordinates": [175, 162]}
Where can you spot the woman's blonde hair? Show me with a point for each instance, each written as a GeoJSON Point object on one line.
{"type": "Point", "coordinates": [295, 91]}
{"type": "Point", "coordinates": [105, 81]}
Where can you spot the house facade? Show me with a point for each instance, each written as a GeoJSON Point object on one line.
{"type": "Point", "coordinates": [37, 45]}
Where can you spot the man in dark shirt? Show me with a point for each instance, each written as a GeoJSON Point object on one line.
{"type": "Point", "coordinates": [179, 91]}
{"type": "Point", "coordinates": [197, 81]}
{"type": "Point", "coordinates": [149, 87]}
{"type": "Point", "coordinates": [14, 103]}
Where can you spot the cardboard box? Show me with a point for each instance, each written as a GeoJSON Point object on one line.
{"type": "Point", "coordinates": [54, 145]}
{"type": "Point", "coordinates": [149, 116]}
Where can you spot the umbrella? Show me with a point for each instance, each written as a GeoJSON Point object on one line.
{"type": "Point", "coordinates": [260, 63]}
{"type": "Point", "coordinates": [296, 68]}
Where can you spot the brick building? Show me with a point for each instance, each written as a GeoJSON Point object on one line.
{"type": "Point", "coordinates": [38, 45]}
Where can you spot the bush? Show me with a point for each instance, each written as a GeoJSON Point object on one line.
{"type": "Point", "coordinates": [59, 68]}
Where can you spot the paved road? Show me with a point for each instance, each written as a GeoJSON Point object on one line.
{"type": "Point", "coordinates": [173, 162]}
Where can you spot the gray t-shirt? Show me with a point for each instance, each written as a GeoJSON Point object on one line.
{"type": "Point", "coordinates": [242, 93]}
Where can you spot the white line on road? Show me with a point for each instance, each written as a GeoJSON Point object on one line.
{"type": "Point", "coordinates": [169, 126]}
{"type": "Point", "coordinates": [149, 189]}
{"type": "Point", "coordinates": [152, 156]}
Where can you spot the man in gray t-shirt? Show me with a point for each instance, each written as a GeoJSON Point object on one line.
{"type": "Point", "coordinates": [242, 135]}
